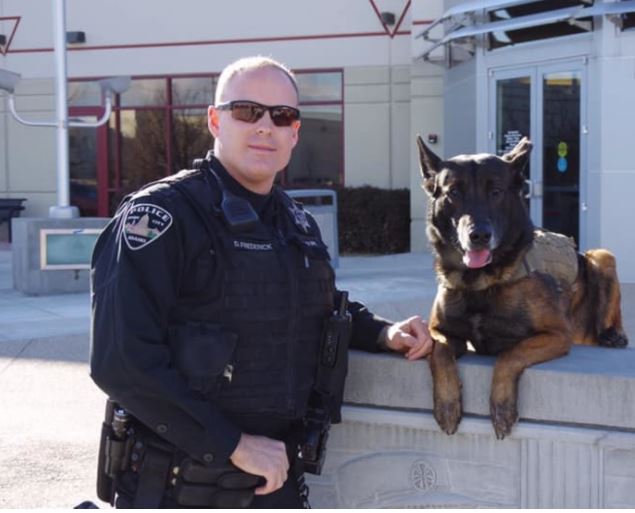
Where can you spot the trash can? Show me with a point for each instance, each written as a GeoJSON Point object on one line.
{"type": "Point", "coordinates": [322, 204]}
{"type": "Point", "coordinates": [10, 208]}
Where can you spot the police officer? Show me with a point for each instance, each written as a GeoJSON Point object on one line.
{"type": "Point", "coordinates": [210, 291]}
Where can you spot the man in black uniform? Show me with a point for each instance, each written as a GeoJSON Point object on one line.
{"type": "Point", "coordinates": [210, 290]}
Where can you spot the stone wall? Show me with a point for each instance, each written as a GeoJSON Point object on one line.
{"type": "Point", "coordinates": [574, 446]}
{"type": "Point", "coordinates": [28, 275]}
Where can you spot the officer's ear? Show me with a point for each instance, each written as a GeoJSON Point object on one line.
{"type": "Point", "coordinates": [296, 132]}
{"type": "Point", "coordinates": [213, 122]}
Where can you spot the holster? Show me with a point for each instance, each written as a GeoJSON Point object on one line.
{"type": "Point", "coordinates": [223, 486]}
{"type": "Point", "coordinates": [317, 424]}
{"type": "Point", "coordinates": [163, 471]}
{"type": "Point", "coordinates": [114, 453]}
{"type": "Point", "coordinates": [325, 403]}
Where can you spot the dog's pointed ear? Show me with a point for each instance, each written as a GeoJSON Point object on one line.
{"type": "Point", "coordinates": [430, 166]}
{"type": "Point", "coordinates": [518, 157]}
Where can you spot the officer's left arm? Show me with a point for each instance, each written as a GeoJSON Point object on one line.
{"type": "Point", "coordinates": [368, 328]}
{"type": "Point", "coordinates": [373, 333]}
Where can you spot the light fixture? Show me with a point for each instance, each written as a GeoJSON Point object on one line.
{"type": "Point", "coordinates": [114, 85]}
{"type": "Point", "coordinates": [75, 37]}
{"type": "Point", "coordinates": [388, 18]}
{"type": "Point", "coordinates": [8, 80]}
{"type": "Point", "coordinates": [109, 87]}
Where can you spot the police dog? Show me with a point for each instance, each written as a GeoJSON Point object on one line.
{"type": "Point", "coordinates": [505, 287]}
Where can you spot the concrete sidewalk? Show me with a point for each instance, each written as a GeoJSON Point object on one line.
{"type": "Point", "coordinates": [51, 410]}
{"type": "Point", "coordinates": [394, 286]}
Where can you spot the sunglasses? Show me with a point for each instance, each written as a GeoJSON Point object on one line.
{"type": "Point", "coordinates": [250, 112]}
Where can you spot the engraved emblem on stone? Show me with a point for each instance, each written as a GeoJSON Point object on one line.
{"type": "Point", "coordinates": [422, 476]}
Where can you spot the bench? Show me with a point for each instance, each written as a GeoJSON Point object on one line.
{"type": "Point", "coordinates": [10, 208]}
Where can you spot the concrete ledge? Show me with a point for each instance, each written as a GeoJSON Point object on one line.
{"type": "Point", "coordinates": [574, 446]}
{"type": "Point", "coordinates": [591, 385]}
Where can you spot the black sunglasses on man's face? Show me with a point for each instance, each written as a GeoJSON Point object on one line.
{"type": "Point", "coordinates": [250, 112]}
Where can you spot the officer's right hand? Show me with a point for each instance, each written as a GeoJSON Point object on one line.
{"type": "Point", "coordinates": [262, 456]}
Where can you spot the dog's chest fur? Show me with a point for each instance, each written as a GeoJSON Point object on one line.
{"type": "Point", "coordinates": [485, 318]}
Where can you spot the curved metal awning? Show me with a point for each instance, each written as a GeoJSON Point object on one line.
{"type": "Point", "coordinates": [461, 32]}
{"type": "Point", "coordinates": [468, 9]}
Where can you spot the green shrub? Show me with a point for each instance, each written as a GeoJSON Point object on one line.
{"type": "Point", "coordinates": [373, 220]}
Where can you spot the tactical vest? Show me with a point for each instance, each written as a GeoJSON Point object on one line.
{"type": "Point", "coordinates": [251, 344]}
{"type": "Point", "coordinates": [550, 253]}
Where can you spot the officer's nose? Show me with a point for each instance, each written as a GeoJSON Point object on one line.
{"type": "Point", "coordinates": [264, 125]}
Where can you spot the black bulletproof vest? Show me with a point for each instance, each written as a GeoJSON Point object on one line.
{"type": "Point", "coordinates": [261, 320]}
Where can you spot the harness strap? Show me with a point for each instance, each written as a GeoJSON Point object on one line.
{"type": "Point", "coordinates": [152, 478]}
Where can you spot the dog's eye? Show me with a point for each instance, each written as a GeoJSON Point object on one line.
{"type": "Point", "coordinates": [496, 193]}
{"type": "Point", "coordinates": [455, 193]}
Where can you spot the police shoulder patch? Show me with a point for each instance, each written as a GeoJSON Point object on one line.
{"type": "Point", "coordinates": [145, 223]}
{"type": "Point", "coordinates": [299, 217]}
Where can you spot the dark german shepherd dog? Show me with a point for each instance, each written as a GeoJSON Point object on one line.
{"type": "Point", "coordinates": [504, 286]}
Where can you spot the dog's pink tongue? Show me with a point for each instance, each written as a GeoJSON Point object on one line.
{"type": "Point", "coordinates": [476, 259]}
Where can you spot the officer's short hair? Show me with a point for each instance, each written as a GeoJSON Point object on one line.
{"type": "Point", "coordinates": [248, 64]}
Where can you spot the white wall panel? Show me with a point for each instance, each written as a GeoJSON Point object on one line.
{"type": "Point", "coordinates": [366, 134]}
{"type": "Point", "coordinates": [400, 143]}
{"type": "Point", "coordinates": [617, 213]}
{"type": "Point", "coordinates": [32, 155]}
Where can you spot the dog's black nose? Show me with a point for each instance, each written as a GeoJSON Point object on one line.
{"type": "Point", "coordinates": [480, 237]}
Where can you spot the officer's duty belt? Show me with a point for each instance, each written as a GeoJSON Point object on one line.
{"type": "Point", "coordinates": [166, 473]}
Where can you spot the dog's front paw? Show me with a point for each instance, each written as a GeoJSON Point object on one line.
{"type": "Point", "coordinates": [612, 338]}
{"type": "Point", "coordinates": [504, 416]}
{"type": "Point", "coordinates": [448, 415]}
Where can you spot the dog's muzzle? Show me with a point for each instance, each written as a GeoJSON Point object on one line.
{"type": "Point", "coordinates": [477, 243]}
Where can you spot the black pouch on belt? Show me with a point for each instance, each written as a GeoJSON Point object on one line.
{"type": "Point", "coordinates": [220, 486]}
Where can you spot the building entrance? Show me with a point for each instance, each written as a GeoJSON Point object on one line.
{"type": "Point", "coordinates": [545, 103]}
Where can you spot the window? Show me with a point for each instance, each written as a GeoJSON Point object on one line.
{"type": "Point", "coordinates": [193, 90]}
{"type": "Point", "coordinates": [84, 93]}
{"type": "Point", "coordinates": [320, 87]}
{"type": "Point", "coordinates": [318, 158]}
{"type": "Point", "coordinates": [190, 136]}
{"type": "Point", "coordinates": [159, 126]}
{"type": "Point", "coordinates": [145, 92]}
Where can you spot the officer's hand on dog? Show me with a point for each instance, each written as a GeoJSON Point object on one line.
{"type": "Point", "coordinates": [262, 456]}
{"type": "Point", "coordinates": [410, 337]}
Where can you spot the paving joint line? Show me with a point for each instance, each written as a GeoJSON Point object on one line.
{"type": "Point", "coordinates": [12, 360]}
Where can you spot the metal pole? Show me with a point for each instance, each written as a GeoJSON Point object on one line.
{"type": "Point", "coordinates": [63, 208]}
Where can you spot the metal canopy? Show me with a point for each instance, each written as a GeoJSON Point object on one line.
{"type": "Point", "coordinates": [570, 14]}
{"type": "Point", "coordinates": [470, 8]}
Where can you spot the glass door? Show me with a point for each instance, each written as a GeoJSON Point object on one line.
{"type": "Point", "coordinates": [514, 98]}
{"type": "Point", "coordinates": [546, 104]}
{"type": "Point", "coordinates": [560, 151]}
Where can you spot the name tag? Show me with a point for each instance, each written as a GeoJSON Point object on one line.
{"type": "Point", "coordinates": [252, 246]}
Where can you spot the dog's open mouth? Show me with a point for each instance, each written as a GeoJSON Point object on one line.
{"type": "Point", "coordinates": [477, 258]}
